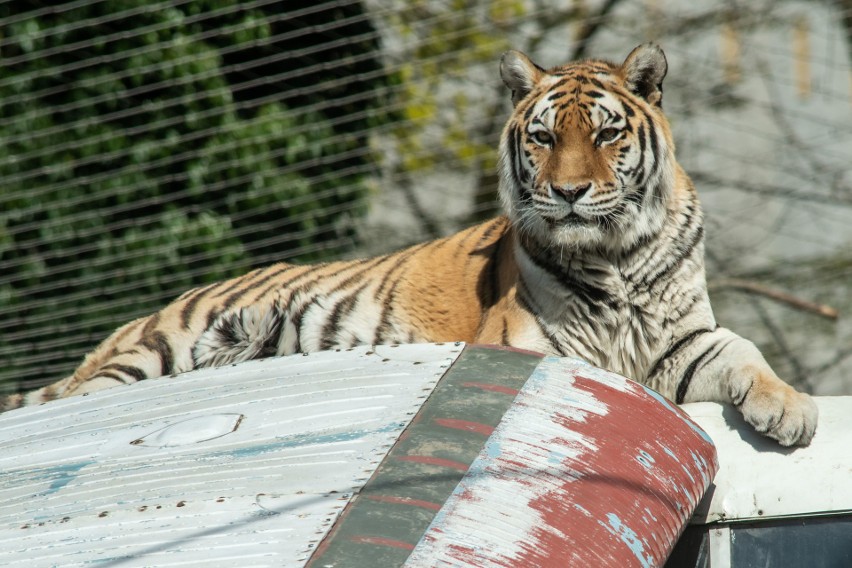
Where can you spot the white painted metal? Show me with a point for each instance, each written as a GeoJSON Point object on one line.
{"type": "Point", "coordinates": [246, 466]}
{"type": "Point", "coordinates": [758, 479]}
{"type": "Point", "coordinates": [720, 546]}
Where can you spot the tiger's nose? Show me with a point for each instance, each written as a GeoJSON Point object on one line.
{"type": "Point", "coordinates": [570, 192]}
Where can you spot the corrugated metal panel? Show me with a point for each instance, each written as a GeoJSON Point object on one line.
{"type": "Point", "coordinates": [245, 466]}
{"type": "Point", "coordinates": [758, 479]}
{"type": "Point", "coordinates": [586, 469]}
{"type": "Point", "coordinates": [395, 507]}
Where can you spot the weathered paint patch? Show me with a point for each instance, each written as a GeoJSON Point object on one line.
{"type": "Point", "coordinates": [492, 388]}
{"type": "Point", "coordinates": [408, 501]}
{"type": "Point", "coordinates": [424, 467]}
{"type": "Point", "coordinates": [630, 538]}
{"type": "Point", "coordinates": [59, 475]}
{"type": "Point", "coordinates": [466, 425]}
{"type": "Point", "coordinates": [302, 441]}
{"type": "Point", "coordinates": [579, 472]}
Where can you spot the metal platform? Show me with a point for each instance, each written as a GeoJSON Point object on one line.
{"type": "Point", "coordinates": [416, 455]}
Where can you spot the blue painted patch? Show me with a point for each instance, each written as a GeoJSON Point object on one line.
{"type": "Point", "coordinates": [301, 440]}
{"type": "Point", "coordinates": [645, 459]}
{"type": "Point", "coordinates": [59, 475]}
{"type": "Point", "coordinates": [630, 538]}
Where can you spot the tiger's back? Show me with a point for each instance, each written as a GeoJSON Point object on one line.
{"type": "Point", "coordinates": [408, 296]}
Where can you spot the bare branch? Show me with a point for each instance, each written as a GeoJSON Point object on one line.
{"type": "Point", "coordinates": [591, 27]}
{"type": "Point", "coordinates": [752, 287]}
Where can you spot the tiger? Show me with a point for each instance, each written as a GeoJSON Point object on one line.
{"type": "Point", "coordinates": [598, 255]}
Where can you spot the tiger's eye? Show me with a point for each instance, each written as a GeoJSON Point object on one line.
{"type": "Point", "coordinates": [607, 135]}
{"type": "Point", "coordinates": [542, 138]}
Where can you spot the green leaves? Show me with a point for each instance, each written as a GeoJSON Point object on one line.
{"type": "Point", "coordinates": [148, 148]}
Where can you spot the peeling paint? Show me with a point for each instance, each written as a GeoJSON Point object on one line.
{"type": "Point", "coordinates": [59, 475]}
{"type": "Point", "coordinates": [629, 537]}
{"type": "Point", "coordinates": [581, 436]}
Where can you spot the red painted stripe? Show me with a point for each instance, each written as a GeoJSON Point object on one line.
{"type": "Point", "coordinates": [382, 541]}
{"type": "Point", "coordinates": [492, 388]}
{"type": "Point", "coordinates": [467, 425]}
{"type": "Point", "coordinates": [405, 501]}
{"type": "Point", "coordinates": [429, 460]}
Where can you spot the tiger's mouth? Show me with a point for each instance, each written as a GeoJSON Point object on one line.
{"type": "Point", "coordinates": [571, 219]}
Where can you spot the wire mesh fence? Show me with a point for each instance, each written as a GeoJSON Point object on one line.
{"type": "Point", "coordinates": [148, 147]}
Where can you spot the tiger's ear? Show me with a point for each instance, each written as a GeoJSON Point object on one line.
{"type": "Point", "coordinates": [519, 73]}
{"type": "Point", "coordinates": [644, 71]}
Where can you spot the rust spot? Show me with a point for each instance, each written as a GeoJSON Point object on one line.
{"type": "Point", "coordinates": [181, 503]}
{"type": "Point", "coordinates": [103, 514]}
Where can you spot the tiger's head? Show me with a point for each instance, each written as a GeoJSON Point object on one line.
{"type": "Point", "coordinates": [587, 158]}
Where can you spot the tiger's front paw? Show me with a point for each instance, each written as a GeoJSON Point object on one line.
{"type": "Point", "coordinates": [775, 408]}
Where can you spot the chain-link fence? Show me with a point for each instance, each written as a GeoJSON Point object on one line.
{"type": "Point", "coordinates": [148, 147]}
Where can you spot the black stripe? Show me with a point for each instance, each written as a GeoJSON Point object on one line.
{"type": "Point", "coordinates": [274, 273]}
{"type": "Point", "coordinates": [109, 375]}
{"type": "Point", "coordinates": [488, 284]}
{"type": "Point", "coordinates": [593, 296]}
{"type": "Point", "coordinates": [402, 260]}
{"type": "Point", "coordinates": [677, 261]}
{"type": "Point", "coordinates": [675, 348]}
{"type": "Point", "coordinates": [367, 265]}
{"type": "Point", "coordinates": [159, 344]}
{"type": "Point", "coordinates": [188, 309]}
{"type": "Point", "coordinates": [239, 281]}
{"type": "Point", "coordinates": [639, 170]}
{"type": "Point", "coordinates": [128, 370]}
{"type": "Point", "coordinates": [385, 319]}
{"type": "Point", "coordinates": [526, 302]}
{"type": "Point", "coordinates": [343, 308]}
{"type": "Point", "coordinates": [519, 173]}
{"type": "Point", "coordinates": [655, 146]}
{"type": "Point", "coordinates": [686, 379]}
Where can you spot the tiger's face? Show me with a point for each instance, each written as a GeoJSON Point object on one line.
{"type": "Point", "coordinates": [587, 156]}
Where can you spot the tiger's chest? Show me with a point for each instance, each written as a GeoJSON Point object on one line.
{"type": "Point", "coordinates": [609, 322]}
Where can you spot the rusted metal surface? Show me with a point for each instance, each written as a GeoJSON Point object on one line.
{"type": "Point", "coordinates": [760, 480]}
{"type": "Point", "coordinates": [388, 518]}
{"type": "Point", "coordinates": [242, 466]}
{"type": "Point", "coordinates": [586, 469]}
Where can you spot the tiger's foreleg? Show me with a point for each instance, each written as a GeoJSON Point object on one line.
{"type": "Point", "coordinates": [721, 366]}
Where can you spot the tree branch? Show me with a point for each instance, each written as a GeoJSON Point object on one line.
{"type": "Point", "coordinates": [752, 287]}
